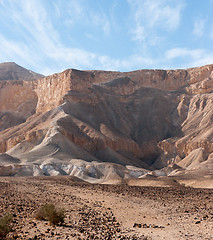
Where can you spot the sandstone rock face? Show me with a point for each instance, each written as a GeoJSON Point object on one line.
{"type": "Point", "coordinates": [18, 99]}
{"type": "Point", "coordinates": [57, 86]}
{"type": "Point", "coordinates": [18, 96]}
{"type": "Point", "coordinates": [150, 119]}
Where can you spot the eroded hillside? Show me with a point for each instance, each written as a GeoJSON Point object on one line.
{"type": "Point", "coordinates": [100, 125]}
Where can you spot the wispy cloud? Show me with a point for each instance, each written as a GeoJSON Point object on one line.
{"type": "Point", "coordinates": [190, 57]}
{"type": "Point", "coordinates": [205, 59]}
{"type": "Point", "coordinates": [21, 53]}
{"type": "Point", "coordinates": [149, 15]}
{"type": "Point", "coordinates": [80, 12]}
{"type": "Point", "coordinates": [132, 62]}
{"type": "Point", "coordinates": [12, 49]}
{"type": "Point", "coordinates": [199, 27]}
{"type": "Point", "coordinates": [184, 52]}
{"type": "Point", "coordinates": [44, 39]}
{"type": "Point", "coordinates": [38, 40]}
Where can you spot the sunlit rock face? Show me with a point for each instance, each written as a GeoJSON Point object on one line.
{"type": "Point", "coordinates": [147, 119]}
{"type": "Point", "coordinates": [18, 99]}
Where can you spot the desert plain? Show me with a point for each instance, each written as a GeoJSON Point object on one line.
{"type": "Point", "coordinates": [163, 210]}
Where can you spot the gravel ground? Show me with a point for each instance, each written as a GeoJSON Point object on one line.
{"type": "Point", "coordinates": [106, 211]}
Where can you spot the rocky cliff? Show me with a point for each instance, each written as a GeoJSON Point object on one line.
{"type": "Point", "coordinates": [18, 99]}
{"type": "Point", "coordinates": [149, 119]}
{"type": "Point", "coordinates": [52, 89]}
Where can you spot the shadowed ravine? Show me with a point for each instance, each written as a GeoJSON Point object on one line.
{"type": "Point", "coordinates": [103, 126]}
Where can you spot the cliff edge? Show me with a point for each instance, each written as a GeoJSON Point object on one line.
{"type": "Point", "coordinates": [155, 122]}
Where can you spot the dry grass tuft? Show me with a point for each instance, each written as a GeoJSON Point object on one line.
{"type": "Point", "coordinates": [50, 213]}
{"type": "Point", "coordinates": [5, 226]}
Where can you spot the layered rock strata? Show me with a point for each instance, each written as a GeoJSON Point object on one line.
{"type": "Point", "coordinates": [150, 119]}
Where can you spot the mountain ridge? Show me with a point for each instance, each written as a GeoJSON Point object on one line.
{"type": "Point", "coordinates": [10, 71]}
{"type": "Point", "coordinates": [149, 119]}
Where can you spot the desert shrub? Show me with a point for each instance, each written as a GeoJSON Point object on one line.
{"type": "Point", "coordinates": [50, 213]}
{"type": "Point", "coordinates": [5, 225]}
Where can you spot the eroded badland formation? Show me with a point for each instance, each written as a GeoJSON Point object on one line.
{"type": "Point", "coordinates": [145, 135]}
{"type": "Point", "coordinates": [104, 125]}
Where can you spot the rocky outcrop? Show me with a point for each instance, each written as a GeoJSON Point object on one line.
{"type": "Point", "coordinates": [18, 96]}
{"type": "Point", "coordinates": [52, 90]}
{"type": "Point", "coordinates": [152, 119]}
{"type": "Point", "coordinates": [18, 99]}
{"type": "Point", "coordinates": [10, 71]}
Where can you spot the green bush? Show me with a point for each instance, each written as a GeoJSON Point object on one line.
{"type": "Point", "coordinates": [5, 226]}
{"type": "Point", "coordinates": [50, 213]}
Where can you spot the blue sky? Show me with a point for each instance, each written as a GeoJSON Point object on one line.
{"type": "Point", "coordinates": [49, 36]}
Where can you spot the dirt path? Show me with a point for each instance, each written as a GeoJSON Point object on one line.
{"type": "Point", "coordinates": [106, 211]}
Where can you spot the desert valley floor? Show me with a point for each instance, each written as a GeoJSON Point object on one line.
{"type": "Point", "coordinates": [128, 155]}
{"type": "Point", "coordinates": [95, 211]}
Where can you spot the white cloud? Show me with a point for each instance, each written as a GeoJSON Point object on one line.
{"type": "Point", "coordinates": [106, 28]}
{"type": "Point", "coordinates": [190, 57]}
{"type": "Point", "coordinates": [13, 49]}
{"type": "Point", "coordinates": [127, 64]}
{"type": "Point", "coordinates": [184, 52]}
{"type": "Point", "coordinates": [57, 9]}
{"type": "Point", "coordinates": [80, 12]}
{"type": "Point", "coordinates": [206, 59]}
{"type": "Point", "coordinates": [19, 53]}
{"type": "Point", "coordinates": [199, 27]}
{"type": "Point", "coordinates": [40, 43]}
{"type": "Point", "coordinates": [150, 15]}
{"type": "Point", "coordinates": [139, 33]}
{"type": "Point", "coordinates": [99, 20]}
{"type": "Point", "coordinates": [45, 42]}
{"type": "Point", "coordinates": [75, 10]}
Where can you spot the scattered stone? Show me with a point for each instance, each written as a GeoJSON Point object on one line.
{"type": "Point", "coordinates": [138, 225]}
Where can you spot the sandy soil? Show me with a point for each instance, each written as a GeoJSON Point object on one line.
{"type": "Point", "coordinates": [107, 211]}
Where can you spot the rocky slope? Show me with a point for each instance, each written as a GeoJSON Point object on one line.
{"type": "Point", "coordinates": [12, 71]}
{"type": "Point", "coordinates": [103, 125]}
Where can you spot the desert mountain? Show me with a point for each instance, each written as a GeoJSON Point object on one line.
{"type": "Point", "coordinates": [102, 125]}
{"type": "Point", "coordinates": [12, 71]}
